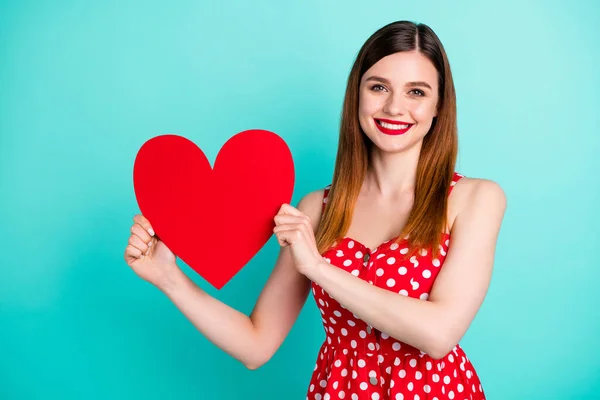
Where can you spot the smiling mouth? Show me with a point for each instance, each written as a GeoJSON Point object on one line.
{"type": "Point", "coordinates": [392, 127]}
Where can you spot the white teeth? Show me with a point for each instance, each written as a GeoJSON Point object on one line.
{"type": "Point", "coordinates": [391, 126]}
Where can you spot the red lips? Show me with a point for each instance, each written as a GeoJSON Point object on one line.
{"type": "Point", "coordinates": [388, 131]}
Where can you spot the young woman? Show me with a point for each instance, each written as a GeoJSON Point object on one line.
{"type": "Point", "coordinates": [397, 251]}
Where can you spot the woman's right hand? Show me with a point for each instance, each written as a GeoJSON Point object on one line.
{"type": "Point", "coordinates": [148, 256]}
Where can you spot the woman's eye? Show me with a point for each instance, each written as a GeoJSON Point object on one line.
{"type": "Point", "coordinates": [418, 92]}
{"type": "Point", "coordinates": [376, 86]}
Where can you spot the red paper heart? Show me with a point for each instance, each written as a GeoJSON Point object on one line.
{"type": "Point", "coordinates": [215, 220]}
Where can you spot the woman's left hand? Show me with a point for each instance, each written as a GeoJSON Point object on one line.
{"type": "Point", "coordinates": [294, 229]}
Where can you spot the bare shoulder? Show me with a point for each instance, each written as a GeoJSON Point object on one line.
{"type": "Point", "coordinates": [469, 186]}
{"type": "Point", "coordinates": [312, 205]}
{"type": "Point", "coordinates": [471, 192]}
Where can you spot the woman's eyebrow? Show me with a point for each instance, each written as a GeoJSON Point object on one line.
{"type": "Point", "coordinates": [408, 84]}
{"type": "Point", "coordinates": [377, 79]}
{"type": "Point", "coordinates": [419, 84]}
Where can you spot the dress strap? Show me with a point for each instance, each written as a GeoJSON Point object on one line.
{"type": "Point", "coordinates": [457, 177]}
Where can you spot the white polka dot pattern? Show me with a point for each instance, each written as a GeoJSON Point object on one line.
{"type": "Point", "coordinates": [356, 361]}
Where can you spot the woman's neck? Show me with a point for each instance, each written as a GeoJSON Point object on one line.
{"type": "Point", "coordinates": [392, 175]}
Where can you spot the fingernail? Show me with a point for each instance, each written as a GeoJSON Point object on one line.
{"type": "Point", "coordinates": [151, 232]}
{"type": "Point", "coordinates": [150, 243]}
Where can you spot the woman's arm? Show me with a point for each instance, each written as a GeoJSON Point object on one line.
{"type": "Point", "coordinates": [437, 325]}
{"type": "Point", "coordinates": [250, 339]}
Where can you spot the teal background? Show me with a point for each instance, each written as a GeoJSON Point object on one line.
{"type": "Point", "coordinates": [84, 84]}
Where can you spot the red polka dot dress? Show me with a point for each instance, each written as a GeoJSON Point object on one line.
{"type": "Point", "coordinates": [358, 362]}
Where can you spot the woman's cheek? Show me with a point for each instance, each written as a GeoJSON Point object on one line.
{"type": "Point", "coordinates": [423, 112]}
{"type": "Point", "coordinates": [369, 107]}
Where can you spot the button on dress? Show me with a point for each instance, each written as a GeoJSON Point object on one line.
{"type": "Point", "coordinates": [359, 362]}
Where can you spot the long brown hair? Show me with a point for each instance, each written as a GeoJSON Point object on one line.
{"type": "Point", "coordinates": [435, 169]}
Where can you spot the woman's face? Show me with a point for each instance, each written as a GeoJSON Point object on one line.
{"type": "Point", "coordinates": [401, 89]}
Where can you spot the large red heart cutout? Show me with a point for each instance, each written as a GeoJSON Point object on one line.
{"type": "Point", "coordinates": [214, 219]}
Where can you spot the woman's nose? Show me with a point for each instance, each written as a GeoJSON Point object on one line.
{"type": "Point", "coordinates": [395, 105]}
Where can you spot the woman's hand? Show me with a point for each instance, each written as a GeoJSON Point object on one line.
{"type": "Point", "coordinates": [149, 257]}
{"type": "Point", "coordinates": [294, 229]}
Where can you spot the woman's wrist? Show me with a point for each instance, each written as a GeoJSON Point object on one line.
{"type": "Point", "coordinates": [172, 280]}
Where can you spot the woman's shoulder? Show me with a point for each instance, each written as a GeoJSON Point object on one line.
{"type": "Point", "coordinates": [311, 205]}
{"type": "Point", "coordinates": [471, 185]}
{"type": "Point", "coordinates": [468, 191]}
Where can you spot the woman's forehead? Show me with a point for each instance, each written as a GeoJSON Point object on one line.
{"type": "Point", "coordinates": [400, 68]}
